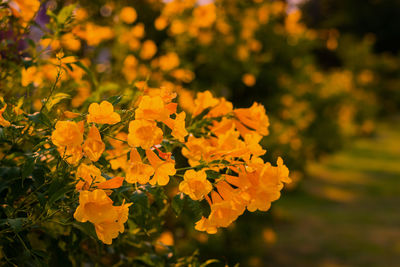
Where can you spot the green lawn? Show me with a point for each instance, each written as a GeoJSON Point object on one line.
{"type": "Point", "coordinates": [347, 212]}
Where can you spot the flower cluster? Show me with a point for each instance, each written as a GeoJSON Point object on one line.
{"type": "Point", "coordinates": [219, 139]}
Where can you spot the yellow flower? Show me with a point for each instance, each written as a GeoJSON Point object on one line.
{"type": "Point", "coordinates": [70, 42]}
{"type": "Point", "coordinates": [109, 229]}
{"type": "Point", "coordinates": [103, 113]}
{"type": "Point", "coordinates": [24, 9]}
{"type": "Point", "coordinates": [204, 15]}
{"type": "Point", "coordinates": [87, 176]}
{"type": "Point", "coordinates": [31, 75]}
{"type": "Point", "coordinates": [67, 134]}
{"type": "Point", "coordinates": [160, 23]}
{"type": "Point", "coordinates": [169, 61]}
{"type": "Point", "coordinates": [128, 15]}
{"type": "Point", "coordinates": [93, 146]}
{"type": "Point", "coordinates": [249, 79]}
{"type": "Point", "coordinates": [196, 149]}
{"type": "Point", "coordinates": [136, 170]}
{"type": "Point", "coordinates": [4, 122]}
{"type": "Point", "coordinates": [71, 154]}
{"type": "Point", "coordinates": [162, 169]}
{"type": "Point", "coordinates": [178, 126]}
{"type": "Point", "coordinates": [254, 118]}
{"type": "Point", "coordinates": [144, 133]}
{"type": "Point", "coordinates": [151, 108]}
{"type": "Point", "coordinates": [204, 100]}
{"type": "Point", "coordinates": [94, 206]}
{"type": "Point", "coordinates": [224, 107]}
{"type": "Point", "coordinates": [195, 184]}
{"type": "Point", "coordinates": [148, 50]}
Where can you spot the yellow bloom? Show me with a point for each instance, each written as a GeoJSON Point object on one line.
{"type": "Point", "coordinates": [224, 107]}
{"type": "Point", "coordinates": [151, 108]}
{"type": "Point", "coordinates": [162, 169]}
{"type": "Point", "coordinates": [4, 122]}
{"type": "Point", "coordinates": [148, 50]}
{"type": "Point", "coordinates": [94, 206]}
{"type": "Point", "coordinates": [71, 154]}
{"type": "Point", "coordinates": [103, 113]}
{"type": "Point", "coordinates": [136, 170]}
{"type": "Point", "coordinates": [249, 79]}
{"type": "Point", "coordinates": [169, 61]}
{"type": "Point", "coordinates": [178, 126]}
{"type": "Point", "coordinates": [87, 176]}
{"type": "Point", "coordinates": [196, 149]}
{"type": "Point", "coordinates": [195, 184]}
{"type": "Point", "coordinates": [70, 42]}
{"type": "Point", "coordinates": [109, 229]}
{"type": "Point", "coordinates": [31, 75]}
{"type": "Point", "coordinates": [67, 134]}
{"type": "Point", "coordinates": [24, 9]}
{"type": "Point", "coordinates": [144, 133]}
{"type": "Point", "coordinates": [204, 15]}
{"type": "Point", "coordinates": [204, 100]}
{"type": "Point", "coordinates": [160, 23]}
{"type": "Point", "coordinates": [128, 15]}
{"type": "Point", "coordinates": [93, 146]}
{"type": "Point", "coordinates": [254, 118]}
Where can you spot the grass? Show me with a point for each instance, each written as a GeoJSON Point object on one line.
{"type": "Point", "coordinates": [347, 212]}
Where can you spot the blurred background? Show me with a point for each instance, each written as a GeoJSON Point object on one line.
{"type": "Point", "coordinates": [328, 73]}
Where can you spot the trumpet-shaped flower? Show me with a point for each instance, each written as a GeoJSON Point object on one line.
{"type": "Point", "coordinates": [94, 146]}
{"type": "Point", "coordinates": [144, 133]}
{"type": "Point", "coordinates": [195, 184]}
{"type": "Point", "coordinates": [162, 169]}
{"type": "Point", "coordinates": [87, 176]}
{"type": "Point", "coordinates": [67, 133]}
{"type": "Point", "coordinates": [103, 113]}
{"type": "Point", "coordinates": [136, 170]}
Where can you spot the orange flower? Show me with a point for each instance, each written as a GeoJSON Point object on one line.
{"type": "Point", "coordinates": [94, 206]}
{"type": "Point", "coordinates": [71, 154]}
{"type": "Point", "coordinates": [151, 108]}
{"type": "Point", "coordinates": [109, 229]}
{"type": "Point", "coordinates": [4, 122]}
{"type": "Point", "coordinates": [162, 169]}
{"type": "Point", "coordinates": [144, 133]}
{"type": "Point", "coordinates": [204, 100]}
{"type": "Point", "coordinates": [94, 146]}
{"type": "Point", "coordinates": [67, 134]}
{"type": "Point", "coordinates": [148, 50]}
{"type": "Point", "coordinates": [128, 15]}
{"type": "Point", "coordinates": [195, 184]}
{"type": "Point", "coordinates": [254, 118]}
{"type": "Point", "coordinates": [178, 126]}
{"type": "Point", "coordinates": [103, 113]}
{"type": "Point", "coordinates": [25, 9]}
{"type": "Point", "coordinates": [136, 170]}
{"type": "Point", "coordinates": [87, 176]}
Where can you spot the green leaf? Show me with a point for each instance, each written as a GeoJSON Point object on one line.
{"type": "Point", "coordinates": [196, 209]}
{"type": "Point", "coordinates": [115, 99]}
{"type": "Point", "coordinates": [16, 224]}
{"type": "Point", "coordinates": [178, 203]}
{"type": "Point", "coordinates": [39, 118]}
{"type": "Point", "coordinates": [65, 14]}
{"type": "Point", "coordinates": [28, 167]}
{"type": "Point", "coordinates": [213, 174]}
{"type": "Point", "coordinates": [55, 99]}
